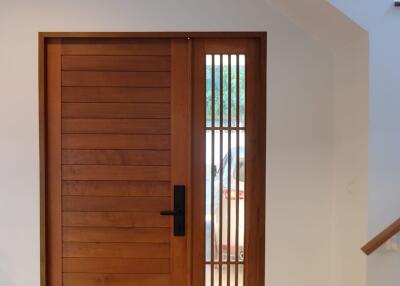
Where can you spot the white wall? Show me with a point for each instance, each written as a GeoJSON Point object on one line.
{"type": "Point", "coordinates": [349, 45]}
{"type": "Point", "coordinates": [299, 156]}
{"type": "Point", "coordinates": [300, 124]}
{"type": "Point", "coordinates": [382, 21]}
{"type": "Point", "coordinates": [350, 184]}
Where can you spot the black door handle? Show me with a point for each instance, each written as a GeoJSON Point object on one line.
{"type": "Point", "coordinates": [179, 210]}
{"type": "Point", "coordinates": [168, 213]}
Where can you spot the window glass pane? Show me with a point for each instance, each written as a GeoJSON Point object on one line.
{"type": "Point", "coordinates": [209, 86]}
{"type": "Point", "coordinates": [233, 89]}
{"type": "Point", "coordinates": [217, 88]}
{"type": "Point", "coordinates": [209, 202]}
{"type": "Point", "coordinates": [225, 169]}
{"type": "Point", "coordinates": [242, 90]}
{"type": "Point", "coordinates": [225, 92]}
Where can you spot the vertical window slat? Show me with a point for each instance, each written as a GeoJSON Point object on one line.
{"type": "Point", "coordinates": [221, 139]}
{"type": "Point", "coordinates": [229, 177]}
{"type": "Point", "coordinates": [212, 168]}
{"type": "Point", "coordinates": [237, 172]}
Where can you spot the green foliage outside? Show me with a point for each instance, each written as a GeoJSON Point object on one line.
{"type": "Point", "coordinates": [225, 96]}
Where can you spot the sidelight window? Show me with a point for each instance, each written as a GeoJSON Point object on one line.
{"type": "Point", "coordinates": [225, 169]}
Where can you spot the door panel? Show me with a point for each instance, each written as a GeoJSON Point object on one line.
{"type": "Point", "coordinates": [118, 79]}
{"type": "Point", "coordinates": [126, 120]}
{"type": "Point", "coordinates": [116, 141]}
{"type": "Point", "coordinates": [114, 220]}
{"type": "Point", "coordinates": [97, 234]}
{"type": "Point", "coordinates": [115, 265]}
{"type": "Point", "coordinates": [114, 152]}
{"type": "Point", "coordinates": [116, 157]}
{"type": "Point", "coordinates": [116, 63]}
{"type": "Point", "coordinates": [116, 46]}
{"type": "Point", "coordinates": [116, 126]}
{"type": "Point", "coordinates": [116, 94]}
{"type": "Point", "coordinates": [116, 110]}
{"type": "Point", "coordinates": [116, 188]}
{"type": "Point", "coordinates": [89, 279]}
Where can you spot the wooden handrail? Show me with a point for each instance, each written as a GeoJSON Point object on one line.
{"type": "Point", "coordinates": [381, 238]}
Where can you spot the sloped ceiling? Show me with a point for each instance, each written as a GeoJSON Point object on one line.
{"type": "Point", "coordinates": [367, 13]}
{"type": "Point", "coordinates": [326, 24]}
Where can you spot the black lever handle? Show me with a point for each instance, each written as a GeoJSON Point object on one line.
{"type": "Point", "coordinates": [168, 213]}
{"type": "Point", "coordinates": [178, 212]}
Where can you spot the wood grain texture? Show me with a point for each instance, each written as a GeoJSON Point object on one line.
{"type": "Point", "coordinates": [226, 46]}
{"type": "Point", "coordinates": [119, 79]}
{"type": "Point", "coordinates": [114, 219]}
{"type": "Point", "coordinates": [116, 157]}
{"type": "Point", "coordinates": [118, 173]}
{"type": "Point", "coordinates": [116, 188]}
{"type": "Point", "coordinates": [116, 94]}
{"type": "Point", "coordinates": [180, 154]}
{"type": "Point", "coordinates": [116, 110]}
{"type": "Point", "coordinates": [116, 126]}
{"type": "Point", "coordinates": [198, 163]}
{"type": "Point", "coordinates": [254, 261]}
{"type": "Point", "coordinates": [115, 46]}
{"type": "Point", "coordinates": [255, 143]}
{"type": "Point", "coordinates": [113, 231]}
{"type": "Point", "coordinates": [116, 63]}
{"type": "Point", "coordinates": [116, 141]}
{"type": "Point", "coordinates": [101, 279]}
{"type": "Point", "coordinates": [115, 204]}
{"type": "Point", "coordinates": [98, 234]}
{"type": "Point", "coordinates": [42, 157]}
{"type": "Point", "coordinates": [53, 104]}
{"type": "Point", "coordinates": [116, 250]}
{"type": "Point", "coordinates": [68, 37]}
{"type": "Point", "coordinates": [115, 265]}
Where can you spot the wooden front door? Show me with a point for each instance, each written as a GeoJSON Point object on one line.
{"type": "Point", "coordinates": [125, 123]}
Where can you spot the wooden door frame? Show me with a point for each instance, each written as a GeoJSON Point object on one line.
{"type": "Point", "coordinates": [43, 132]}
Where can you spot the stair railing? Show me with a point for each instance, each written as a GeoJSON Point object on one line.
{"type": "Point", "coordinates": [382, 238]}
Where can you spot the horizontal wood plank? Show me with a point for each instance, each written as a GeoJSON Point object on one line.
{"type": "Point", "coordinates": [123, 79]}
{"type": "Point", "coordinates": [108, 234]}
{"type": "Point", "coordinates": [111, 173]}
{"type": "Point", "coordinates": [99, 279]}
{"type": "Point", "coordinates": [115, 204]}
{"type": "Point", "coordinates": [116, 250]}
{"type": "Point", "coordinates": [102, 46]}
{"type": "Point", "coordinates": [119, 126]}
{"type": "Point", "coordinates": [116, 188]}
{"type": "Point", "coordinates": [116, 157]}
{"type": "Point", "coordinates": [115, 265]}
{"type": "Point", "coordinates": [116, 141]}
{"type": "Point", "coordinates": [116, 63]}
{"type": "Point", "coordinates": [115, 219]}
{"type": "Point", "coordinates": [116, 94]}
{"type": "Point", "coordinates": [116, 110]}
